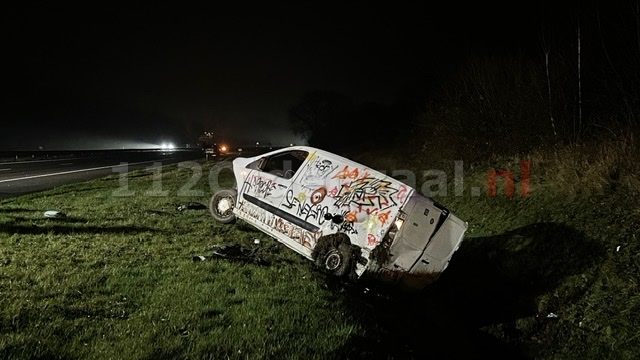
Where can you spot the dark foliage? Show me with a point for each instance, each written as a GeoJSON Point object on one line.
{"type": "Point", "coordinates": [580, 81]}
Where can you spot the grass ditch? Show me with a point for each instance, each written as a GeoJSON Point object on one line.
{"type": "Point", "coordinates": [550, 275]}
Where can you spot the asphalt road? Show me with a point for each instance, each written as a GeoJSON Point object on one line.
{"type": "Point", "coordinates": [22, 177]}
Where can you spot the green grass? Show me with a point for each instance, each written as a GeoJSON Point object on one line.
{"type": "Point", "coordinates": [116, 279]}
{"type": "Point", "coordinates": [557, 272]}
{"type": "Point", "coordinates": [538, 277]}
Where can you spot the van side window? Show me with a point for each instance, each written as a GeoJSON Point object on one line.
{"type": "Point", "coordinates": [285, 164]}
{"type": "Point", "coordinates": [256, 165]}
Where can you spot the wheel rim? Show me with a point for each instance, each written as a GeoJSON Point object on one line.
{"type": "Point", "coordinates": [224, 206]}
{"type": "Point", "coordinates": [333, 260]}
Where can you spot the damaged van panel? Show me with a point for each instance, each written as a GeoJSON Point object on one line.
{"type": "Point", "coordinates": [349, 219]}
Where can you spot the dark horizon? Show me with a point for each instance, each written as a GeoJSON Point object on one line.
{"type": "Point", "coordinates": [86, 76]}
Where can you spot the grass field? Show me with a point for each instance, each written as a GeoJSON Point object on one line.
{"type": "Point", "coordinates": [550, 275]}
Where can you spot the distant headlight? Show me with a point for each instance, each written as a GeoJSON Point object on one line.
{"type": "Point", "coordinates": [223, 148]}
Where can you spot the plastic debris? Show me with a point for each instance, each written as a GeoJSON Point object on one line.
{"type": "Point", "coordinates": [234, 252]}
{"type": "Point", "coordinates": [159, 212]}
{"type": "Point", "coordinates": [54, 214]}
{"type": "Point", "coordinates": [192, 206]}
{"type": "Point", "coordinates": [552, 316]}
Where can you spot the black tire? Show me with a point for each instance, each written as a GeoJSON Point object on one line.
{"type": "Point", "coordinates": [333, 254]}
{"type": "Point", "coordinates": [221, 205]}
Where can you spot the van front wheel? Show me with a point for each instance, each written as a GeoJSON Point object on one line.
{"type": "Point", "coordinates": [222, 204]}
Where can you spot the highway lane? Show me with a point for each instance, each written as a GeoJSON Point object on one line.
{"type": "Point", "coordinates": [22, 177]}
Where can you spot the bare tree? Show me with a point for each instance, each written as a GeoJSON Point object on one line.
{"type": "Point", "coordinates": [547, 49]}
{"type": "Point", "coordinates": [320, 116]}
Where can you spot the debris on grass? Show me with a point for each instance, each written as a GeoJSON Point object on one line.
{"type": "Point", "coordinates": [159, 212]}
{"type": "Point", "coordinates": [234, 252]}
{"type": "Point", "coordinates": [54, 214]}
{"type": "Point", "coordinates": [191, 206]}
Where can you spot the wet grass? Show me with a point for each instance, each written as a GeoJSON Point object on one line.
{"type": "Point", "coordinates": [116, 279]}
{"type": "Point", "coordinates": [551, 275]}
{"type": "Point", "coordinates": [554, 274]}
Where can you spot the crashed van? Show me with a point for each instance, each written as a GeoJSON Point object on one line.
{"type": "Point", "coordinates": [350, 220]}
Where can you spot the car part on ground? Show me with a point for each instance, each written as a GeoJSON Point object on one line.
{"type": "Point", "coordinates": [234, 252]}
{"type": "Point", "coordinates": [191, 206]}
{"type": "Point", "coordinates": [54, 214]}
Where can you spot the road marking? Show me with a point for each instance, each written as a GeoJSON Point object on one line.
{"type": "Point", "coordinates": [5, 169]}
{"type": "Point", "coordinates": [74, 171]}
{"type": "Point", "coordinates": [41, 161]}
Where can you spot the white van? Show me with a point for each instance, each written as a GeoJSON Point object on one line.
{"type": "Point", "coordinates": [349, 219]}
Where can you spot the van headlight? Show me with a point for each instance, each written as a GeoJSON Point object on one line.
{"type": "Point", "coordinates": [393, 230]}
{"type": "Point", "coordinates": [398, 223]}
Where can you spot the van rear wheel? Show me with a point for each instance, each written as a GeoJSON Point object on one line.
{"type": "Point", "coordinates": [333, 254]}
{"type": "Point", "coordinates": [333, 260]}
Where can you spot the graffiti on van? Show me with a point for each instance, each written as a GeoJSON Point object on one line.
{"type": "Point", "coordinates": [348, 218]}
{"type": "Point", "coordinates": [309, 210]}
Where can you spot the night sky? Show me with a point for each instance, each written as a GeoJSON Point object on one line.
{"type": "Point", "coordinates": [85, 76]}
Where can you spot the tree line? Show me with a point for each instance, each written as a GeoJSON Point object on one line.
{"type": "Point", "coordinates": [580, 81]}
